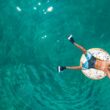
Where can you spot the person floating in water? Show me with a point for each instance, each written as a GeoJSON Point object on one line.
{"type": "Point", "coordinates": [92, 62]}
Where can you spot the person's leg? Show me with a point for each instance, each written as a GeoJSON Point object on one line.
{"type": "Point", "coordinates": [70, 38]}
{"type": "Point", "coordinates": [74, 67]}
{"type": "Point", "coordinates": [80, 47]}
{"type": "Point", "coordinates": [61, 68]}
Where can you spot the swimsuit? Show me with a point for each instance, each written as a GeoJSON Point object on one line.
{"type": "Point", "coordinates": [90, 63]}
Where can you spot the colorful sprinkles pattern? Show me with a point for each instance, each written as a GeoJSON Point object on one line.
{"type": "Point", "coordinates": [94, 73]}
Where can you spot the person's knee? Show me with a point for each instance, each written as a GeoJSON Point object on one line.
{"type": "Point", "coordinates": [84, 51]}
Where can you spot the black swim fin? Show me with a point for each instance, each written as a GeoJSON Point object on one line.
{"type": "Point", "coordinates": [70, 38]}
{"type": "Point", "coordinates": [61, 68]}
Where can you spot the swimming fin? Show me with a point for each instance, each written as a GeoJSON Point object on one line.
{"type": "Point", "coordinates": [61, 68]}
{"type": "Point", "coordinates": [70, 38]}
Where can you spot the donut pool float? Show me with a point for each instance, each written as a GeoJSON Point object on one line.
{"type": "Point", "coordinates": [94, 73]}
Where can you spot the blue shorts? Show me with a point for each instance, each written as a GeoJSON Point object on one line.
{"type": "Point", "coordinates": [90, 63]}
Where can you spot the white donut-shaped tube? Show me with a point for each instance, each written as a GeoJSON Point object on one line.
{"type": "Point", "coordinates": [94, 73]}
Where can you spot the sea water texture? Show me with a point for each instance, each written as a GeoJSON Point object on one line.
{"type": "Point", "coordinates": [33, 42]}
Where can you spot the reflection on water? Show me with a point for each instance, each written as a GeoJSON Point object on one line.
{"type": "Point", "coordinates": [46, 8]}
{"type": "Point", "coordinates": [18, 8]}
{"type": "Point", "coordinates": [33, 42]}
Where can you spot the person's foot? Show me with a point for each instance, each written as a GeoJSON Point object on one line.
{"type": "Point", "coordinates": [70, 38]}
{"type": "Point", "coordinates": [61, 68]}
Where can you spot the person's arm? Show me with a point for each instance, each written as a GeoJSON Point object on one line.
{"type": "Point", "coordinates": [74, 67]}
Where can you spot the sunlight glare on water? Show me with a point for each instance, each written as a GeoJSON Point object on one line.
{"type": "Point", "coordinates": [18, 8]}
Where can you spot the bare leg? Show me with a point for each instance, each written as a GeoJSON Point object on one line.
{"type": "Point", "coordinates": [74, 67]}
{"type": "Point", "coordinates": [70, 38]}
{"type": "Point", "coordinates": [80, 47]}
{"type": "Point", "coordinates": [61, 68]}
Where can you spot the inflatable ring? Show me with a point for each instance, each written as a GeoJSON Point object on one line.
{"type": "Point", "coordinates": [94, 73]}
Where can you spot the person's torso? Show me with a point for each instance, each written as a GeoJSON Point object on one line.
{"type": "Point", "coordinates": [101, 65]}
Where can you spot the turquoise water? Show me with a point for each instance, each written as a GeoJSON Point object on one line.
{"type": "Point", "coordinates": [33, 42]}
